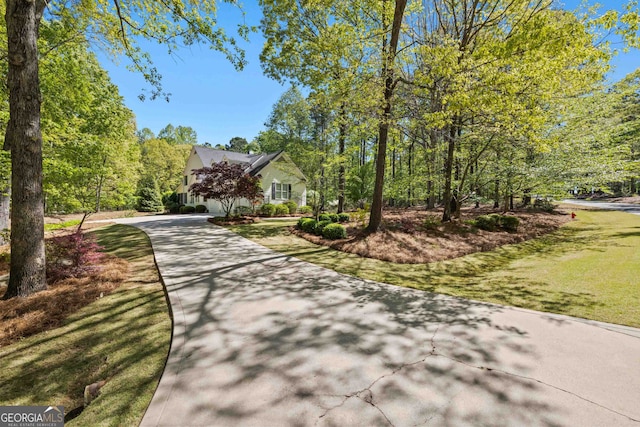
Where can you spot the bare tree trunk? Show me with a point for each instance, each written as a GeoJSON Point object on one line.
{"type": "Point", "coordinates": [5, 201]}
{"type": "Point", "coordinates": [342, 136]}
{"type": "Point", "coordinates": [23, 137]}
{"type": "Point", "coordinates": [448, 173]}
{"type": "Point", "coordinates": [375, 218]}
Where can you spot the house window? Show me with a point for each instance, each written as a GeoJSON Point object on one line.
{"type": "Point", "coordinates": [280, 191]}
{"type": "Point", "coordinates": [186, 178]}
{"type": "Point", "coordinates": [191, 198]}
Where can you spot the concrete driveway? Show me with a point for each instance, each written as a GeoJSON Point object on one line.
{"type": "Point", "coordinates": [263, 339]}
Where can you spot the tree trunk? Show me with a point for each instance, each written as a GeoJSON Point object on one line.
{"type": "Point", "coordinates": [5, 199]}
{"type": "Point", "coordinates": [448, 173]}
{"type": "Point", "coordinates": [23, 137]}
{"type": "Point", "coordinates": [375, 218]}
{"type": "Point", "coordinates": [342, 136]}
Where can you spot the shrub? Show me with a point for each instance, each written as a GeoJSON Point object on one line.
{"type": "Point", "coordinates": [282, 210]}
{"type": "Point", "coordinates": [486, 222]}
{"type": "Point", "coordinates": [509, 223]}
{"type": "Point", "coordinates": [201, 209]}
{"type": "Point", "coordinates": [431, 222]}
{"type": "Point", "coordinates": [293, 206]}
{"type": "Point", "coordinates": [324, 217]}
{"type": "Point", "coordinates": [309, 225]}
{"type": "Point", "coordinates": [243, 210]}
{"type": "Point", "coordinates": [334, 231]}
{"type": "Point", "coordinates": [544, 205]}
{"type": "Point", "coordinates": [268, 209]}
{"type": "Point", "coordinates": [320, 225]}
{"type": "Point", "coordinates": [73, 255]}
{"type": "Point", "coordinates": [343, 217]}
{"type": "Point", "coordinates": [333, 217]}
{"type": "Point", "coordinates": [361, 216]}
{"type": "Point", "coordinates": [187, 209]}
{"type": "Point", "coordinates": [305, 210]}
{"type": "Point", "coordinates": [302, 221]}
{"type": "Point", "coordinates": [173, 208]}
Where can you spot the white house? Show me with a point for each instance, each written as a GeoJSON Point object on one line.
{"type": "Point", "coordinates": [281, 179]}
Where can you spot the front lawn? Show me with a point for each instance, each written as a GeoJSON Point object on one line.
{"type": "Point", "coordinates": [589, 268]}
{"type": "Point", "coordinates": [122, 338]}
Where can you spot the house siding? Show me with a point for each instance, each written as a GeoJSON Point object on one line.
{"type": "Point", "coordinates": [281, 170]}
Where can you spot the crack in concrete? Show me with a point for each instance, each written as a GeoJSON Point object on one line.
{"type": "Point", "coordinates": [524, 377]}
{"type": "Point", "coordinates": [366, 395]}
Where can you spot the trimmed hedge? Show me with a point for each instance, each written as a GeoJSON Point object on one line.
{"type": "Point", "coordinates": [509, 223]}
{"type": "Point", "coordinates": [305, 210]}
{"type": "Point", "coordinates": [308, 225]}
{"type": "Point", "coordinates": [333, 217]}
{"type": "Point", "coordinates": [334, 231]}
{"type": "Point", "coordinates": [320, 225]}
{"type": "Point", "coordinates": [268, 209]}
{"type": "Point", "coordinates": [494, 221]}
{"type": "Point", "coordinates": [201, 209]}
{"type": "Point", "coordinates": [324, 217]}
{"type": "Point", "coordinates": [187, 209]}
{"type": "Point", "coordinates": [343, 217]}
{"type": "Point", "coordinates": [282, 210]}
{"type": "Point", "coordinates": [293, 206]}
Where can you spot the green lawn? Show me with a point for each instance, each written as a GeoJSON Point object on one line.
{"type": "Point", "coordinates": [58, 226]}
{"type": "Point", "coordinates": [123, 337]}
{"type": "Point", "coordinates": [589, 268]}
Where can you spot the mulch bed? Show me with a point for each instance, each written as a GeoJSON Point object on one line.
{"type": "Point", "coordinates": [403, 238]}
{"type": "Point", "coordinates": [233, 220]}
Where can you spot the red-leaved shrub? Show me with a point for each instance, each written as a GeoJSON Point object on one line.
{"type": "Point", "coordinates": [73, 255]}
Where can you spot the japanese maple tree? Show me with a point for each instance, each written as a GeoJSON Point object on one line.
{"type": "Point", "coordinates": [226, 183]}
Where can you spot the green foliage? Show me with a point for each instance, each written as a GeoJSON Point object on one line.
{"type": "Point", "coordinates": [334, 231]}
{"type": "Point", "coordinates": [187, 209]}
{"type": "Point", "coordinates": [65, 224]}
{"type": "Point", "coordinates": [149, 199]}
{"type": "Point", "coordinates": [486, 222]}
{"type": "Point", "coordinates": [201, 209]}
{"type": "Point", "coordinates": [268, 209]}
{"type": "Point", "coordinates": [333, 217]}
{"type": "Point", "coordinates": [243, 210]}
{"type": "Point", "coordinates": [509, 223]}
{"type": "Point", "coordinates": [431, 222]}
{"type": "Point", "coordinates": [494, 221]}
{"type": "Point", "coordinates": [361, 216]}
{"type": "Point", "coordinates": [282, 210]}
{"type": "Point", "coordinates": [343, 217]}
{"type": "Point", "coordinates": [308, 225]}
{"type": "Point", "coordinates": [293, 206]}
{"type": "Point", "coordinates": [320, 225]}
{"type": "Point", "coordinates": [305, 210]}
{"type": "Point", "coordinates": [324, 217]}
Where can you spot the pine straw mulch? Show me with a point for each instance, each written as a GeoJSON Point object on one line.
{"type": "Point", "coordinates": [404, 239]}
{"type": "Point", "coordinates": [45, 310]}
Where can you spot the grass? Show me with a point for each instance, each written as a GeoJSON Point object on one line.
{"type": "Point", "coordinates": [122, 338]}
{"type": "Point", "coordinates": [589, 268]}
{"type": "Point", "coordinates": [58, 226]}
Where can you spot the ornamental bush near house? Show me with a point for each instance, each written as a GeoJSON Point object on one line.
{"type": "Point", "coordinates": [309, 225]}
{"type": "Point", "coordinates": [343, 217]}
{"type": "Point", "coordinates": [324, 217]}
{"type": "Point", "coordinates": [334, 231]}
{"type": "Point", "coordinates": [333, 217]}
{"type": "Point", "coordinates": [200, 209]}
{"type": "Point", "coordinates": [187, 209]}
{"type": "Point", "coordinates": [293, 206]}
{"type": "Point", "coordinates": [268, 209]}
{"type": "Point", "coordinates": [282, 210]}
{"type": "Point", "coordinates": [305, 210]}
{"type": "Point", "coordinates": [243, 210]}
{"type": "Point", "coordinates": [320, 225]}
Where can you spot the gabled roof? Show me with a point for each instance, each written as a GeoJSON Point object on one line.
{"type": "Point", "coordinates": [254, 162]}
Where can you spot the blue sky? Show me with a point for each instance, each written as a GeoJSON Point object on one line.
{"type": "Point", "coordinates": [209, 95]}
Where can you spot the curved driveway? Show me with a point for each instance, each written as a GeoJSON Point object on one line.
{"type": "Point", "coordinates": [263, 339]}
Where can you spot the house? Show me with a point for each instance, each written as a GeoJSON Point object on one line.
{"type": "Point", "coordinates": [281, 179]}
